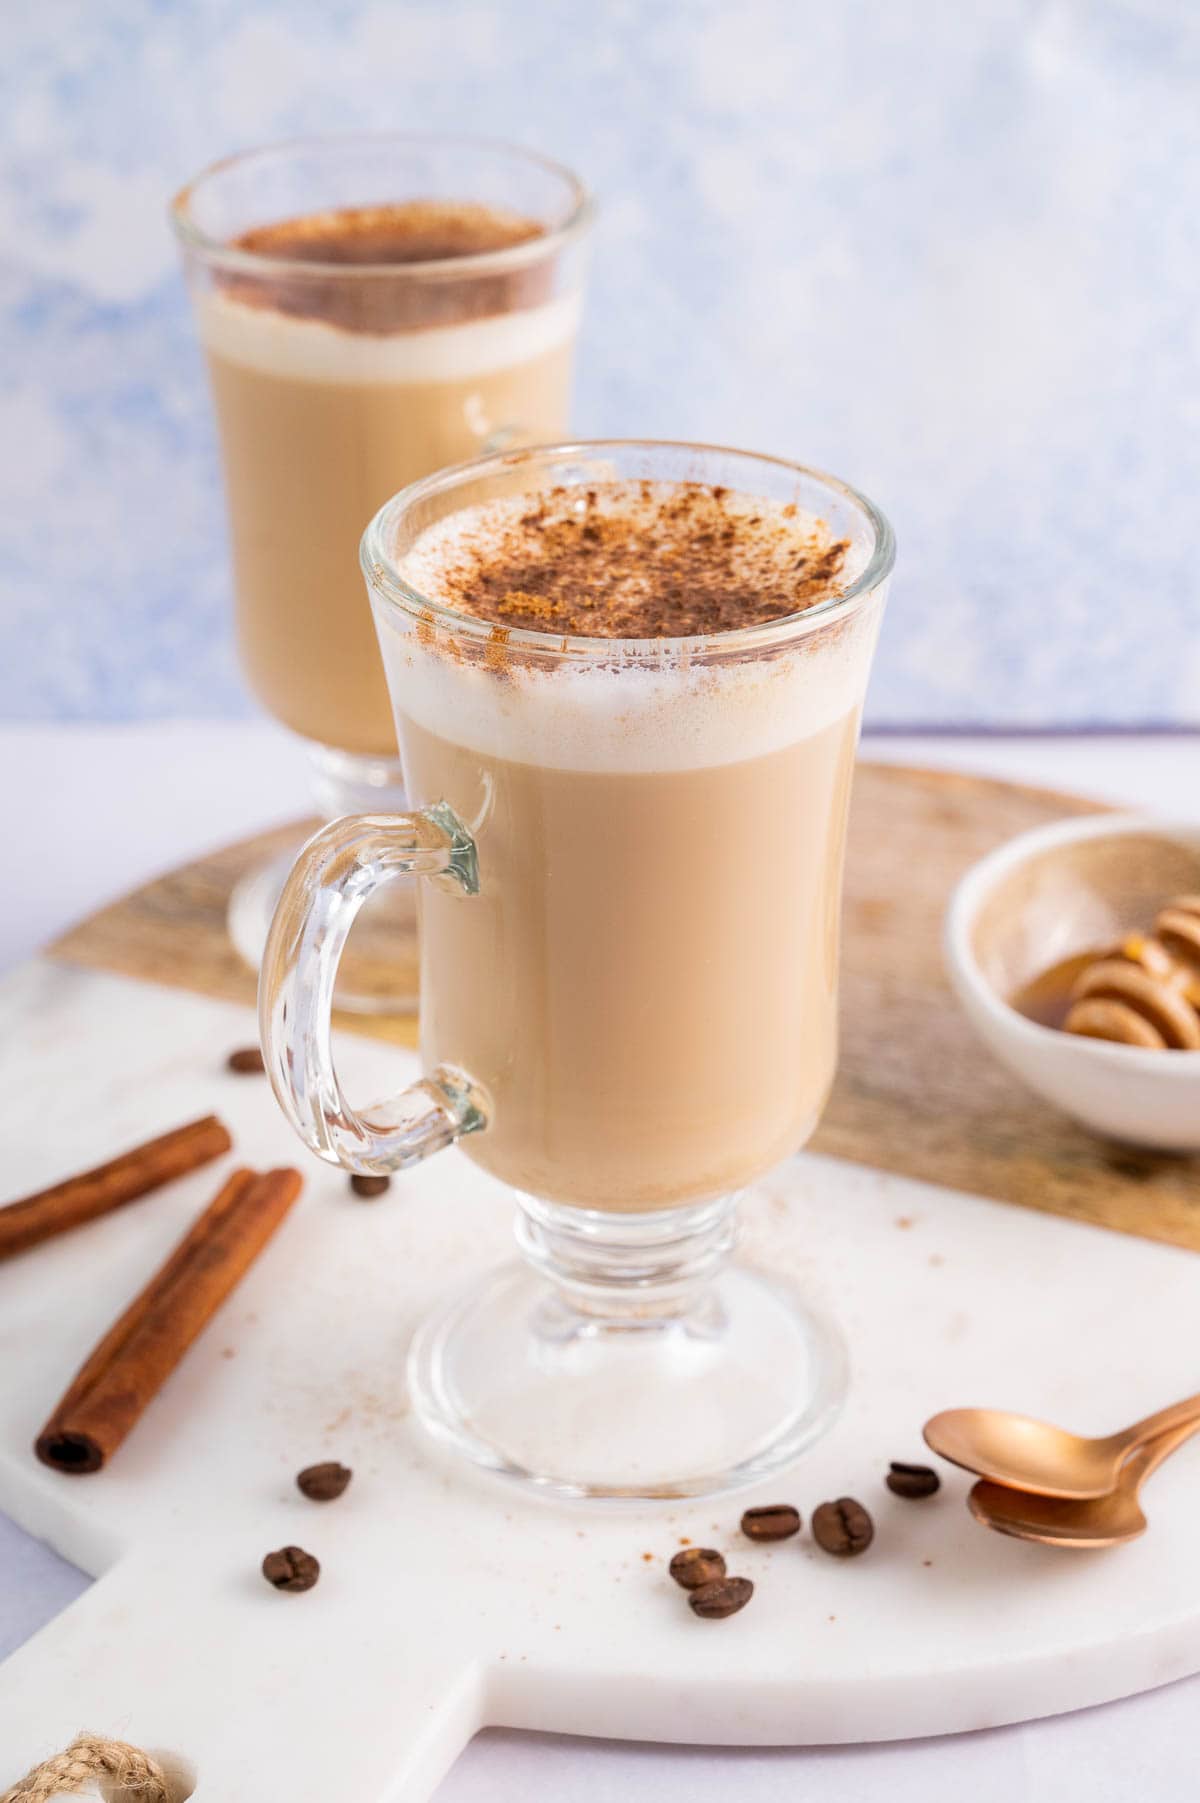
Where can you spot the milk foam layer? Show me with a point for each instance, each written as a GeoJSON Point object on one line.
{"type": "Point", "coordinates": [622, 705]}
{"type": "Point", "coordinates": [297, 349]}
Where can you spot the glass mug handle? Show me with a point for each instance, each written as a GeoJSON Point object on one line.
{"type": "Point", "coordinates": [505, 438]}
{"type": "Point", "coordinates": [334, 875]}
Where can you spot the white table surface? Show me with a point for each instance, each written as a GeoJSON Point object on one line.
{"type": "Point", "coordinates": [89, 812]}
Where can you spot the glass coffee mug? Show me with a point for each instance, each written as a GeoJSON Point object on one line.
{"type": "Point", "coordinates": [371, 309]}
{"type": "Point", "coordinates": [629, 856]}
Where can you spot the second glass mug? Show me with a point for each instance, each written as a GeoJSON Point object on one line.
{"type": "Point", "coordinates": [342, 368]}
{"type": "Point", "coordinates": [630, 859]}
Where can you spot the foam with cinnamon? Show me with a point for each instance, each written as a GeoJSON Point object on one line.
{"type": "Point", "coordinates": [630, 561]}
{"type": "Point", "coordinates": [411, 231]}
{"type": "Point", "coordinates": [651, 572]}
{"type": "Point", "coordinates": [380, 315]}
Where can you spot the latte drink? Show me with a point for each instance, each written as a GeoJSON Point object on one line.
{"type": "Point", "coordinates": [645, 985]}
{"type": "Point", "coordinates": [352, 351]}
{"type": "Point", "coordinates": [627, 679]}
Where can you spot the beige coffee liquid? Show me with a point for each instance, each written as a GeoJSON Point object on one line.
{"type": "Point", "coordinates": [646, 983]}
{"type": "Point", "coordinates": [333, 393]}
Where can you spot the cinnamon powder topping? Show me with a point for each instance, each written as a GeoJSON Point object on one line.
{"type": "Point", "coordinates": [400, 237]}
{"type": "Point", "coordinates": [632, 561]}
{"type": "Point", "coordinates": [412, 231]}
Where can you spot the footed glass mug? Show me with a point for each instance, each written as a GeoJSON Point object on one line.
{"type": "Point", "coordinates": [629, 856]}
{"type": "Point", "coordinates": [371, 308]}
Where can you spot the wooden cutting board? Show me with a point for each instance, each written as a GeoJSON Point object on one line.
{"type": "Point", "coordinates": [916, 1093]}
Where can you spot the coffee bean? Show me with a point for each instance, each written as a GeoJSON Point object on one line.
{"type": "Point", "coordinates": [362, 1185]}
{"type": "Point", "coordinates": [696, 1565]}
{"type": "Point", "coordinates": [291, 1568]}
{"type": "Point", "coordinates": [725, 1596]}
{"type": "Point", "coordinates": [324, 1483]}
{"type": "Point", "coordinates": [842, 1528]}
{"type": "Point", "coordinates": [912, 1480]}
{"type": "Point", "coordinates": [772, 1521]}
{"type": "Point", "coordinates": [247, 1061]}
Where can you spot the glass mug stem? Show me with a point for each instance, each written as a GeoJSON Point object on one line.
{"type": "Point", "coordinates": [335, 874]}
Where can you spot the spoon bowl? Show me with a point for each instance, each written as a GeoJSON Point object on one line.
{"type": "Point", "coordinates": [1031, 1455]}
{"type": "Point", "coordinates": [1036, 1456]}
{"type": "Point", "coordinates": [1081, 1523]}
{"type": "Point", "coordinates": [1095, 1521]}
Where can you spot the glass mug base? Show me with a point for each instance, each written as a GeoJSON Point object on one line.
{"type": "Point", "coordinates": [627, 1365]}
{"type": "Point", "coordinates": [378, 971]}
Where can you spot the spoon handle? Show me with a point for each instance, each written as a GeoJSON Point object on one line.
{"type": "Point", "coordinates": [1178, 1414]}
{"type": "Point", "coordinates": [1151, 1453]}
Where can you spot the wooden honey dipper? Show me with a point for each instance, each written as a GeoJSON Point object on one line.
{"type": "Point", "coordinates": [1146, 991]}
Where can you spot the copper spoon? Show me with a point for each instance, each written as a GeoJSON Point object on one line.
{"type": "Point", "coordinates": [1093, 1521]}
{"type": "Point", "coordinates": [1035, 1456]}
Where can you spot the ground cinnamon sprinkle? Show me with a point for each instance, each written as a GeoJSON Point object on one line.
{"type": "Point", "coordinates": [635, 560]}
{"type": "Point", "coordinates": [415, 231]}
{"type": "Point", "coordinates": [520, 601]}
{"type": "Point", "coordinates": [495, 655]}
{"type": "Point", "coordinates": [394, 240]}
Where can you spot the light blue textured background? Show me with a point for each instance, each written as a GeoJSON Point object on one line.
{"type": "Point", "coordinates": [949, 250]}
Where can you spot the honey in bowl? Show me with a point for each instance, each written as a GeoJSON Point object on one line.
{"type": "Point", "coordinates": [1047, 997]}
{"type": "Point", "coordinates": [1144, 992]}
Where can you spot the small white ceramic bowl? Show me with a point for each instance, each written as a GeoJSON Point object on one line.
{"type": "Point", "coordinates": [1043, 897]}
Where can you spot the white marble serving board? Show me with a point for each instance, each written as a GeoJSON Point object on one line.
{"type": "Point", "coordinates": [448, 1601]}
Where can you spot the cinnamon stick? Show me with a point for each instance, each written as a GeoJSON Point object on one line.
{"type": "Point", "coordinates": [93, 1193]}
{"type": "Point", "coordinates": [139, 1353]}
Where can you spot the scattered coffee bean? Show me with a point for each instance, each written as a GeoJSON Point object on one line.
{"type": "Point", "coordinates": [324, 1483]}
{"type": "Point", "coordinates": [842, 1528]}
{"type": "Point", "coordinates": [247, 1061]}
{"type": "Point", "coordinates": [912, 1480]}
{"type": "Point", "coordinates": [725, 1596]}
{"type": "Point", "coordinates": [362, 1185]}
{"type": "Point", "coordinates": [291, 1568]}
{"type": "Point", "coordinates": [773, 1521]}
{"type": "Point", "coordinates": [696, 1565]}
